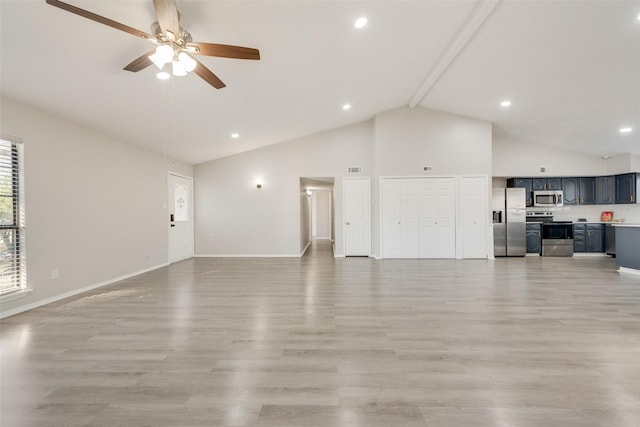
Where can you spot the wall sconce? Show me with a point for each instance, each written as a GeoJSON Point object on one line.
{"type": "Point", "coordinates": [258, 183]}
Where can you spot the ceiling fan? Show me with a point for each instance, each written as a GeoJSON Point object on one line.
{"type": "Point", "coordinates": [174, 45]}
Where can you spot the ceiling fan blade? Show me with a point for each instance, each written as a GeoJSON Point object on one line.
{"type": "Point", "coordinates": [167, 13]}
{"type": "Point", "coordinates": [225, 50]}
{"type": "Point", "coordinates": [140, 63]}
{"type": "Point", "coordinates": [208, 76]}
{"type": "Point", "coordinates": [101, 19]}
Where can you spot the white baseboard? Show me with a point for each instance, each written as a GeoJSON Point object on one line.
{"type": "Point", "coordinates": [588, 254]}
{"type": "Point", "coordinates": [64, 295]}
{"type": "Point", "coordinates": [305, 249]}
{"type": "Point", "coordinates": [247, 256]}
{"type": "Point", "coordinates": [629, 271]}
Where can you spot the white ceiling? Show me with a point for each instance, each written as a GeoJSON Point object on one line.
{"type": "Point", "coordinates": [571, 69]}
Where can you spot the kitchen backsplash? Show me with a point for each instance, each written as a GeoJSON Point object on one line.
{"type": "Point", "coordinates": [628, 213]}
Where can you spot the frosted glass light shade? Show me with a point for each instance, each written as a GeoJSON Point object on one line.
{"type": "Point", "coordinates": [178, 69]}
{"type": "Point", "coordinates": [157, 60]}
{"type": "Point", "coordinates": [187, 62]}
{"type": "Point", "coordinates": [165, 53]}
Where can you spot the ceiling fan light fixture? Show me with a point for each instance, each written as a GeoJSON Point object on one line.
{"type": "Point", "coordinates": [187, 62]}
{"type": "Point", "coordinates": [157, 61]}
{"type": "Point", "coordinates": [165, 53]}
{"type": "Point", "coordinates": [163, 75]}
{"type": "Point", "coordinates": [360, 22]}
{"type": "Point", "coordinates": [178, 69]}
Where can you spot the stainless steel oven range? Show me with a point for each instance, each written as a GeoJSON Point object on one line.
{"type": "Point", "coordinates": [557, 238]}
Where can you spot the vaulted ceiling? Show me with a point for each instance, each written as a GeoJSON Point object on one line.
{"type": "Point", "coordinates": [570, 69]}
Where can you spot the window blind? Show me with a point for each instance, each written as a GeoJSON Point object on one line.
{"type": "Point", "coordinates": [12, 252]}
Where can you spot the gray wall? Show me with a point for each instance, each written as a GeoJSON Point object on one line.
{"type": "Point", "coordinates": [408, 139]}
{"type": "Point", "coordinates": [233, 217]}
{"type": "Point", "coordinates": [95, 207]}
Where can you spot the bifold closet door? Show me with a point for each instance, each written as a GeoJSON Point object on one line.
{"type": "Point", "coordinates": [418, 217]}
{"type": "Point", "coordinates": [400, 218]}
{"type": "Point", "coordinates": [437, 218]}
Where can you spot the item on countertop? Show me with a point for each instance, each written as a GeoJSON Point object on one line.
{"type": "Point", "coordinates": [606, 216]}
{"type": "Point", "coordinates": [582, 220]}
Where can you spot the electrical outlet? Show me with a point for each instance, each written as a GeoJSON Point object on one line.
{"type": "Point", "coordinates": [55, 274]}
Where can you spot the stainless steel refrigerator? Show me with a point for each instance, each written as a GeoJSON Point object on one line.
{"type": "Point", "coordinates": [509, 222]}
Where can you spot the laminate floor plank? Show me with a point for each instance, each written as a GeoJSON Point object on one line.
{"type": "Point", "coordinates": [323, 341]}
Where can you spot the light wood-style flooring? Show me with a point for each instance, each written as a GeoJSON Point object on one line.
{"type": "Point", "coordinates": [319, 341]}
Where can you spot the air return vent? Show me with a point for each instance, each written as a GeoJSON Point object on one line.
{"type": "Point", "coordinates": [354, 170]}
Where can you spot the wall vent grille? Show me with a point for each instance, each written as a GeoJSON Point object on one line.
{"type": "Point", "coordinates": [354, 170]}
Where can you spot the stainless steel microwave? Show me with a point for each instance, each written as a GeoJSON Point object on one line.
{"type": "Point", "coordinates": [548, 199]}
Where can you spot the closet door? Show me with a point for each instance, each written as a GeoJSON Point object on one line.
{"type": "Point", "coordinates": [409, 218]}
{"type": "Point", "coordinates": [473, 216]}
{"type": "Point", "coordinates": [390, 218]}
{"type": "Point", "coordinates": [400, 218]}
{"type": "Point", "coordinates": [437, 218]}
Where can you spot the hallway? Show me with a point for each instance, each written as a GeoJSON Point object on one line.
{"type": "Point", "coordinates": [319, 249]}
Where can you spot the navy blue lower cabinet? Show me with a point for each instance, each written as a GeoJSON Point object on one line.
{"type": "Point", "coordinates": [579, 237]}
{"type": "Point", "coordinates": [595, 238]}
{"type": "Point", "coordinates": [588, 237]}
{"type": "Point", "coordinates": [534, 243]}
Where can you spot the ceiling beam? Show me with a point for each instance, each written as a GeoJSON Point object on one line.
{"type": "Point", "coordinates": [468, 30]}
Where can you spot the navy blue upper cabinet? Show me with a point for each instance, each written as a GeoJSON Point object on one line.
{"type": "Point", "coordinates": [605, 190]}
{"type": "Point", "coordinates": [626, 188]}
{"type": "Point", "coordinates": [579, 191]}
{"type": "Point", "coordinates": [598, 190]}
{"type": "Point", "coordinates": [538, 184]}
{"type": "Point", "coordinates": [587, 191]}
{"type": "Point", "coordinates": [571, 190]}
{"type": "Point", "coordinates": [522, 183]}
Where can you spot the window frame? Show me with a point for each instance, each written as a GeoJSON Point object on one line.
{"type": "Point", "coordinates": [18, 224]}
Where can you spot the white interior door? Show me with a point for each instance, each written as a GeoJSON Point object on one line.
{"type": "Point", "coordinates": [400, 217]}
{"type": "Point", "coordinates": [357, 216]}
{"type": "Point", "coordinates": [437, 218]}
{"type": "Point", "coordinates": [419, 217]}
{"type": "Point", "coordinates": [473, 216]}
{"type": "Point", "coordinates": [180, 217]}
{"type": "Point", "coordinates": [409, 218]}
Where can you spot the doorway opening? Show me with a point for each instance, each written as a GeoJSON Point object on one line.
{"type": "Point", "coordinates": [317, 215]}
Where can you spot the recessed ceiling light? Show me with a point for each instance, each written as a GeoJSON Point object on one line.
{"type": "Point", "coordinates": [505, 103]}
{"type": "Point", "coordinates": [235, 135]}
{"type": "Point", "coordinates": [626, 130]}
{"type": "Point", "coordinates": [346, 107]}
{"type": "Point", "coordinates": [360, 22]}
